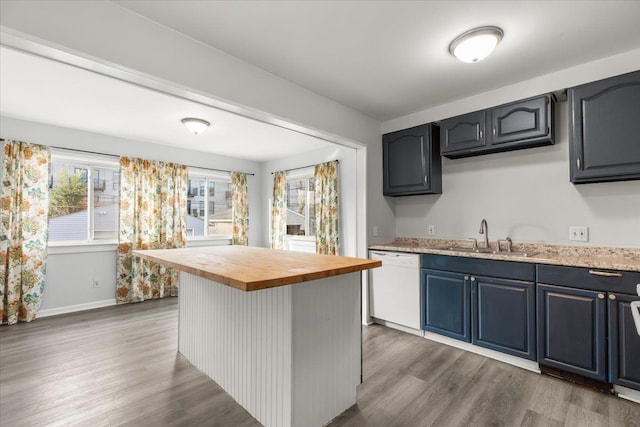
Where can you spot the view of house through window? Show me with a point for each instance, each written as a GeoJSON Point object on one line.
{"type": "Point", "coordinates": [209, 206]}
{"type": "Point", "coordinates": [83, 202]}
{"type": "Point", "coordinates": [300, 206]}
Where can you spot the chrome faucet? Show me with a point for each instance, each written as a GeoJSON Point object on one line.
{"type": "Point", "coordinates": [484, 229]}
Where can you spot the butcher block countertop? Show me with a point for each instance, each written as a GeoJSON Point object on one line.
{"type": "Point", "coordinates": [251, 268]}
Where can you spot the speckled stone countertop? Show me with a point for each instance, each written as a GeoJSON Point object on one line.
{"type": "Point", "coordinates": [576, 256]}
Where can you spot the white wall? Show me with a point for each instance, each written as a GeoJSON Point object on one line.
{"type": "Point", "coordinates": [347, 188]}
{"type": "Point", "coordinates": [71, 271]}
{"type": "Point", "coordinates": [524, 194]}
{"type": "Point", "coordinates": [156, 55]}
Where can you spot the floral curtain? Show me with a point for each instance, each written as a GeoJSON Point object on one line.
{"type": "Point", "coordinates": [153, 209]}
{"type": "Point", "coordinates": [326, 201]}
{"type": "Point", "coordinates": [279, 210]}
{"type": "Point", "coordinates": [239, 208]}
{"type": "Point", "coordinates": [24, 205]}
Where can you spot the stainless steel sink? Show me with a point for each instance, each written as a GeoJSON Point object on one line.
{"type": "Point", "coordinates": [485, 251]}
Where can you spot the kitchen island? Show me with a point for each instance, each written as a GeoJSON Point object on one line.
{"type": "Point", "coordinates": [279, 331]}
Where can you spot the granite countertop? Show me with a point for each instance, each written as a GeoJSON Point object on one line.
{"type": "Point", "coordinates": [251, 268]}
{"type": "Point", "coordinates": [576, 256]}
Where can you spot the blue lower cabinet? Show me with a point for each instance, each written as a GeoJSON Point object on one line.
{"type": "Point", "coordinates": [572, 330]}
{"type": "Point", "coordinates": [624, 342]}
{"type": "Point", "coordinates": [446, 299]}
{"type": "Point", "coordinates": [503, 315]}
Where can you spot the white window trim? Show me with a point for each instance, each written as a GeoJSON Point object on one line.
{"type": "Point", "coordinates": [90, 161]}
{"type": "Point", "coordinates": [303, 173]}
{"type": "Point", "coordinates": [198, 173]}
{"type": "Point", "coordinates": [73, 247]}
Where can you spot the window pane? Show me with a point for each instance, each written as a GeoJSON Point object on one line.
{"type": "Point", "coordinates": [219, 220]}
{"type": "Point", "coordinates": [68, 203]}
{"type": "Point", "coordinates": [296, 205]}
{"type": "Point", "coordinates": [195, 207]}
{"type": "Point", "coordinates": [116, 180]}
{"type": "Point", "coordinates": [105, 204]}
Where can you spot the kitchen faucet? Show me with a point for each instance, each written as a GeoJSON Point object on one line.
{"type": "Point", "coordinates": [484, 229]}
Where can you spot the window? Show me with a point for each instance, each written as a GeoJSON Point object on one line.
{"type": "Point", "coordinates": [116, 181]}
{"type": "Point", "coordinates": [300, 206]}
{"type": "Point", "coordinates": [78, 211]}
{"type": "Point", "coordinates": [209, 212]}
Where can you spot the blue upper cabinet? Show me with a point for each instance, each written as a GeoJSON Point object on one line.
{"type": "Point", "coordinates": [463, 133]}
{"type": "Point", "coordinates": [604, 129]}
{"type": "Point", "coordinates": [521, 124]}
{"type": "Point", "coordinates": [411, 161]}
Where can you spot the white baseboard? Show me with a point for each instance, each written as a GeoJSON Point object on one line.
{"type": "Point", "coordinates": [77, 307]}
{"type": "Point", "coordinates": [402, 328]}
{"type": "Point", "coordinates": [506, 358]}
{"type": "Point", "coordinates": [627, 393]}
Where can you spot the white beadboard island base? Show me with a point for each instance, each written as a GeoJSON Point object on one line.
{"type": "Point", "coordinates": [290, 355]}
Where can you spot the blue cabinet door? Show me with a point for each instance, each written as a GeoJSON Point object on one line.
{"type": "Point", "coordinates": [572, 330]}
{"type": "Point", "coordinates": [624, 342]}
{"type": "Point", "coordinates": [446, 304]}
{"type": "Point", "coordinates": [503, 315]}
{"type": "Point", "coordinates": [411, 161]}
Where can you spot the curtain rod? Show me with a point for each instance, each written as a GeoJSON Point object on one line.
{"type": "Point", "coordinates": [115, 155]}
{"type": "Point", "coordinates": [304, 167]}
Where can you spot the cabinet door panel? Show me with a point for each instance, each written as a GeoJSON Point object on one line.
{"type": "Point", "coordinates": [605, 130]}
{"type": "Point", "coordinates": [503, 316]}
{"type": "Point", "coordinates": [520, 120]}
{"type": "Point", "coordinates": [446, 304]}
{"type": "Point", "coordinates": [463, 132]}
{"type": "Point", "coordinates": [409, 166]}
{"type": "Point", "coordinates": [571, 330]}
{"type": "Point", "coordinates": [624, 343]}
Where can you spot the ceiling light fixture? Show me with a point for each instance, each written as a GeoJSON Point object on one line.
{"type": "Point", "coordinates": [195, 125]}
{"type": "Point", "coordinates": [475, 45]}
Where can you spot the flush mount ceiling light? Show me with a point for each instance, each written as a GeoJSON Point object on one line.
{"type": "Point", "coordinates": [195, 125]}
{"type": "Point", "coordinates": [475, 45]}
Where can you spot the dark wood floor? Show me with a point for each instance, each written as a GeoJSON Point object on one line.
{"type": "Point", "coordinates": [119, 366]}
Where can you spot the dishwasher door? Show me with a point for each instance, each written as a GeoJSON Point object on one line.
{"type": "Point", "coordinates": [394, 290]}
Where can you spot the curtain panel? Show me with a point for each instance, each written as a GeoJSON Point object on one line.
{"type": "Point", "coordinates": [326, 206]}
{"type": "Point", "coordinates": [24, 207]}
{"type": "Point", "coordinates": [153, 209]}
{"type": "Point", "coordinates": [240, 208]}
{"type": "Point", "coordinates": [279, 210]}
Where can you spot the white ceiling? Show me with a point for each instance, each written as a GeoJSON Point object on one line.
{"type": "Point", "coordinates": [42, 90]}
{"type": "Point", "coordinates": [388, 59]}
{"type": "Point", "coordinates": [385, 59]}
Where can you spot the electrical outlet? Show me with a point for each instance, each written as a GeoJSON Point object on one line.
{"type": "Point", "coordinates": [579, 233]}
{"type": "Point", "coordinates": [375, 231]}
{"type": "Point", "coordinates": [431, 230]}
{"type": "Point", "coordinates": [96, 284]}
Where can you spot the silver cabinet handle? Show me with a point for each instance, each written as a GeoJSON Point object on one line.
{"type": "Point", "coordinates": [480, 134]}
{"type": "Point", "coordinates": [473, 279]}
{"type": "Point", "coordinates": [612, 297]}
{"type": "Point", "coordinates": [604, 273]}
{"type": "Point", "coordinates": [600, 296]}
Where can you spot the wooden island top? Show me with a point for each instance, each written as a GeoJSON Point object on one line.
{"type": "Point", "coordinates": [252, 268]}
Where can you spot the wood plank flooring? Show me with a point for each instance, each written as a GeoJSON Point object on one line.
{"type": "Point", "coordinates": [118, 366]}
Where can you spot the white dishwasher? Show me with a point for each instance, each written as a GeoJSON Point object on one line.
{"type": "Point", "coordinates": [394, 290]}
